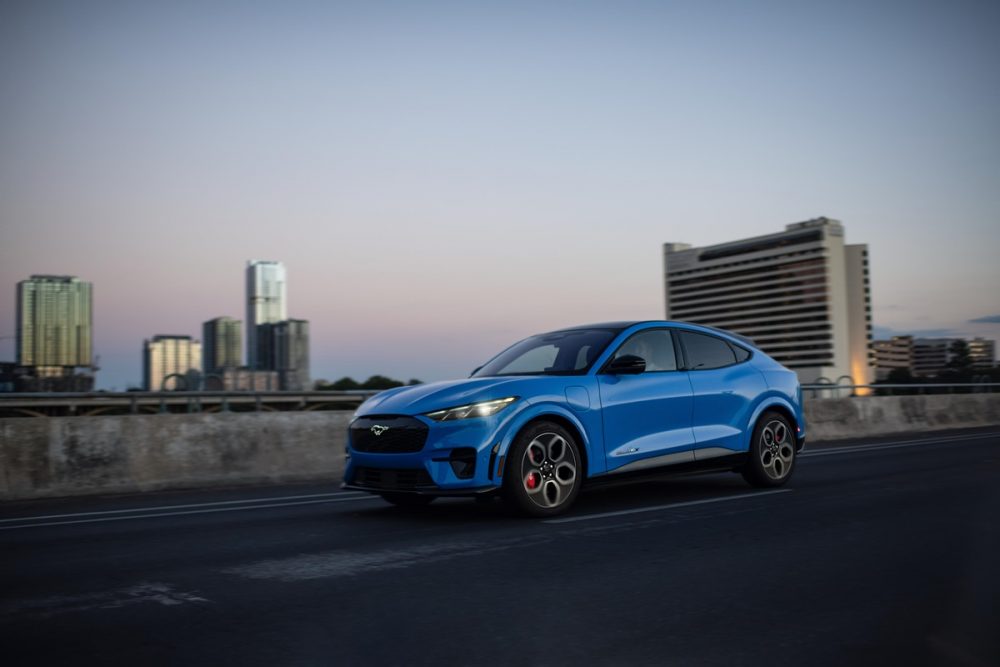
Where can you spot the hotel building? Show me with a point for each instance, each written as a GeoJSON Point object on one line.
{"type": "Point", "coordinates": [802, 295]}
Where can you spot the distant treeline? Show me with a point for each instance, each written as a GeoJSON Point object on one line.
{"type": "Point", "coordinates": [377, 382]}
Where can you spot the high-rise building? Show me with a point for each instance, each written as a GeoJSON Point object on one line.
{"type": "Point", "coordinates": [266, 301]}
{"type": "Point", "coordinates": [54, 322]}
{"type": "Point", "coordinates": [982, 351]}
{"type": "Point", "coordinates": [284, 347]}
{"type": "Point", "coordinates": [167, 356]}
{"type": "Point", "coordinates": [222, 344]}
{"type": "Point", "coordinates": [802, 295]}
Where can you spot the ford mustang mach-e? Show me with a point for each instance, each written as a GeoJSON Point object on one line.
{"type": "Point", "coordinates": [561, 409]}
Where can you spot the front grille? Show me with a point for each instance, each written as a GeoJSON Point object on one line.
{"type": "Point", "coordinates": [396, 435]}
{"type": "Point", "coordinates": [392, 479]}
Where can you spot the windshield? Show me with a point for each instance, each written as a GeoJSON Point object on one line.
{"type": "Point", "coordinates": [558, 353]}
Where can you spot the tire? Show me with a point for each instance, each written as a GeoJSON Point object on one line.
{"type": "Point", "coordinates": [772, 452]}
{"type": "Point", "coordinates": [407, 499]}
{"type": "Point", "coordinates": [544, 471]}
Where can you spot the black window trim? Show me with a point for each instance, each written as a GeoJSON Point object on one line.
{"type": "Point", "coordinates": [674, 338]}
{"type": "Point", "coordinates": [733, 346]}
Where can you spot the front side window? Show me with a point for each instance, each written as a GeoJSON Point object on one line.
{"type": "Point", "coordinates": [559, 353]}
{"type": "Point", "coordinates": [655, 347]}
{"type": "Point", "coordinates": [705, 352]}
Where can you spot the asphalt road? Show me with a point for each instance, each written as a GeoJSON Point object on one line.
{"type": "Point", "coordinates": [879, 552]}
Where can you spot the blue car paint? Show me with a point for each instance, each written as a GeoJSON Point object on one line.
{"type": "Point", "coordinates": [620, 419]}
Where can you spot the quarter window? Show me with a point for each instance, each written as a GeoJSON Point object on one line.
{"type": "Point", "coordinates": [704, 352]}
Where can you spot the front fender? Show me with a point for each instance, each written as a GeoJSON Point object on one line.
{"type": "Point", "coordinates": [595, 458]}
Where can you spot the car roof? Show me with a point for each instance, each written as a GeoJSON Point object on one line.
{"type": "Point", "coordinates": [618, 327]}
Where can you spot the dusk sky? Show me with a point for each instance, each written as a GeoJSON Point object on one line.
{"type": "Point", "coordinates": [443, 178]}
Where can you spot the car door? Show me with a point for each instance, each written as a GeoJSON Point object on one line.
{"type": "Point", "coordinates": [723, 388]}
{"type": "Point", "coordinates": [647, 416]}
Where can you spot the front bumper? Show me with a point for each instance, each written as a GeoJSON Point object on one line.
{"type": "Point", "coordinates": [459, 458]}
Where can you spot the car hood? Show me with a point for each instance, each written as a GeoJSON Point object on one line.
{"type": "Point", "coordinates": [432, 396]}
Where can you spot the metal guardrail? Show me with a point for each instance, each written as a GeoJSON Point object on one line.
{"type": "Point", "coordinates": [831, 390]}
{"type": "Point", "coordinates": [161, 402]}
{"type": "Point", "coordinates": [51, 404]}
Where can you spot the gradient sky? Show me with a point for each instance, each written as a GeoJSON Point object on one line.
{"type": "Point", "coordinates": [443, 178]}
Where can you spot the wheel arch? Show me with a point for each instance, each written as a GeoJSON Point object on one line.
{"type": "Point", "coordinates": [570, 425]}
{"type": "Point", "coordinates": [782, 407]}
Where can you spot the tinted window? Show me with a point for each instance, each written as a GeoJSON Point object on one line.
{"type": "Point", "coordinates": [705, 352]}
{"type": "Point", "coordinates": [655, 347]}
{"type": "Point", "coordinates": [558, 353]}
{"type": "Point", "coordinates": [741, 354]}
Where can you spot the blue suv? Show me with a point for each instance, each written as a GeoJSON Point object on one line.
{"type": "Point", "coordinates": [559, 409]}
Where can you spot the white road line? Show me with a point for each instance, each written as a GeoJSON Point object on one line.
{"type": "Point", "coordinates": [894, 445]}
{"type": "Point", "coordinates": [655, 508]}
{"type": "Point", "coordinates": [202, 511]}
{"type": "Point", "coordinates": [265, 499]}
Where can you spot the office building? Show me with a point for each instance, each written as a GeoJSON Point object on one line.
{"type": "Point", "coordinates": [171, 362]}
{"type": "Point", "coordinates": [983, 353]}
{"type": "Point", "coordinates": [931, 355]}
{"type": "Point", "coordinates": [894, 354]}
{"type": "Point", "coordinates": [266, 301]}
{"type": "Point", "coordinates": [284, 347]}
{"type": "Point", "coordinates": [222, 344]}
{"type": "Point", "coordinates": [802, 295]}
{"type": "Point", "coordinates": [921, 357]}
{"type": "Point", "coordinates": [54, 322]}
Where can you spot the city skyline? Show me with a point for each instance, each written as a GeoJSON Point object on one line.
{"type": "Point", "coordinates": [442, 182]}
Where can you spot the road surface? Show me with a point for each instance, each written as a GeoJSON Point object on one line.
{"type": "Point", "coordinates": [878, 552]}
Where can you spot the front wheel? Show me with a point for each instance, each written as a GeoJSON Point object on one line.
{"type": "Point", "coordinates": [544, 471]}
{"type": "Point", "coordinates": [772, 452]}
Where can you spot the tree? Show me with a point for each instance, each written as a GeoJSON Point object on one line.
{"type": "Point", "coordinates": [899, 376]}
{"type": "Point", "coordinates": [960, 359]}
{"type": "Point", "coordinates": [343, 384]}
{"type": "Point", "coordinates": [380, 382]}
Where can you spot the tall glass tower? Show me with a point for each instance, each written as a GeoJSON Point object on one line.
{"type": "Point", "coordinates": [266, 301]}
{"type": "Point", "coordinates": [222, 344]}
{"type": "Point", "coordinates": [54, 322]}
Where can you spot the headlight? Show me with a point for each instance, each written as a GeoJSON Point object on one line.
{"type": "Point", "coordinates": [484, 409]}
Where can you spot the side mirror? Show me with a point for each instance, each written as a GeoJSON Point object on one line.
{"type": "Point", "coordinates": [627, 364]}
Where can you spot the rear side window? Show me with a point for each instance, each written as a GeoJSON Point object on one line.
{"type": "Point", "coordinates": [741, 354]}
{"type": "Point", "coordinates": [704, 352]}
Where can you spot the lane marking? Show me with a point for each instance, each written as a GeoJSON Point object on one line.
{"type": "Point", "coordinates": [350, 494]}
{"type": "Point", "coordinates": [159, 593]}
{"type": "Point", "coordinates": [656, 508]}
{"type": "Point", "coordinates": [201, 511]}
{"type": "Point", "coordinates": [344, 563]}
{"type": "Point", "coordinates": [849, 449]}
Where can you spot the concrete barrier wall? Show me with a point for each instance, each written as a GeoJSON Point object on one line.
{"type": "Point", "coordinates": [62, 456]}
{"type": "Point", "coordinates": [65, 456]}
{"type": "Point", "coordinates": [839, 418]}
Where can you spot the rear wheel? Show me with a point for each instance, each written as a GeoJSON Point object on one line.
{"type": "Point", "coordinates": [772, 452]}
{"type": "Point", "coordinates": [544, 471]}
{"type": "Point", "coordinates": [407, 499]}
